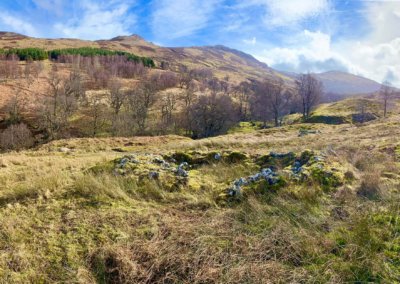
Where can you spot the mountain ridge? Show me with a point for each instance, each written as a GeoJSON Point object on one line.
{"type": "Point", "coordinates": [222, 60]}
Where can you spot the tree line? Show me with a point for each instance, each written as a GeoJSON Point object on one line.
{"type": "Point", "coordinates": [35, 54]}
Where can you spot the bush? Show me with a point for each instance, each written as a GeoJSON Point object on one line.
{"type": "Point", "coordinates": [16, 137]}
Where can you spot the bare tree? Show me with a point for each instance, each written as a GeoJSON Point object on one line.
{"type": "Point", "coordinates": [212, 115]}
{"type": "Point", "coordinates": [97, 111]}
{"type": "Point", "coordinates": [16, 106]}
{"type": "Point", "coordinates": [16, 137]}
{"type": "Point", "coordinates": [386, 93]}
{"type": "Point", "coordinates": [280, 100]}
{"type": "Point", "coordinates": [270, 101]}
{"type": "Point", "coordinates": [168, 106]}
{"type": "Point", "coordinates": [140, 99]}
{"type": "Point", "coordinates": [61, 102]}
{"type": "Point", "coordinates": [310, 91]}
{"type": "Point", "coordinates": [242, 93]}
{"type": "Point", "coordinates": [9, 67]}
{"type": "Point", "coordinates": [117, 98]}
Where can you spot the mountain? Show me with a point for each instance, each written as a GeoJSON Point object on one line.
{"type": "Point", "coordinates": [223, 61]}
{"type": "Point", "coordinates": [343, 83]}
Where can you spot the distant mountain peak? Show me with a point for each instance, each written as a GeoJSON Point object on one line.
{"type": "Point", "coordinates": [11, 35]}
{"type": "Point", "coordinates": [340, 82]}
{"type": "Point", "coordinates": [133, 37]}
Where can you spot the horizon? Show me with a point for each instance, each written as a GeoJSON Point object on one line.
{"type": "Point", "coordinates": [357, 37]}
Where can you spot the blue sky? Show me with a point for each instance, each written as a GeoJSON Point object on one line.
{"type": "Point", "coordinates": [357, 36]}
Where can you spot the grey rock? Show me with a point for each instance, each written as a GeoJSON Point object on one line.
{"type": "Point", "coordinates": [64, 150]}
{"type": "Point", "coordinates": [154, 175]}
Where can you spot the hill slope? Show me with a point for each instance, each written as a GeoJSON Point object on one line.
{"type": "Point", "coordinates": [223, 61]}
{"type": "Point", "coordinates": [347, 84]}
{"type": "Point", "coordinates": [91, 215]}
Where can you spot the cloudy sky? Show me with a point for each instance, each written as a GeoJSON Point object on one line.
{"type": "Point", "coordinates": [357, 36]}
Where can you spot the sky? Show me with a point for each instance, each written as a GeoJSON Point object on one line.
{"type": "Point", "coordinates": [357, 36]}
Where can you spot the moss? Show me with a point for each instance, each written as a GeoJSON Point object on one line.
{"type": "Point", "coordinates": [235, 157]}
{"type": "Point", "coordinates": [276, 160]}
{"type": "Point", "coordinates": [327, 179]}
{"type": "Point", "coordinates": [327, 119]}
{"type": "Point", "coordinates": [397, 153]}
{"type": "Point", "coordinates": [107, 167]}
{"type": "Point", "coordinates": [305, 157]}
{"type": "Point", "coordinates": [263, 186]}
{"type": "Point", "coordinates": [180, 157]}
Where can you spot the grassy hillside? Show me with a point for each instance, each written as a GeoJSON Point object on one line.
{"type": "Point", "coordinates": [347, 84]}
{"type": "Point", "coordinates": [223, 61]}
{"type": "Point", "coordinates": [117, 210]}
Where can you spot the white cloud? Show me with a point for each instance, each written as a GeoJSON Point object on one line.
{"type": "Point", "coordinates": [384, 19]}
{"type": "Point", "coordinates": [289, 12]}
{"type": "Point", "coordinates": [379, 61]}
{"type": "Point", "coordinates": [314, 52]}
{"type": "Point", "coordinates": [54, 6]}
{"type": "Point", "coordinates": [311, 51]}
{"type": "Point", "coordinates": [17, 25]}
{"type": "Point", "coordinates": [251, 41]}
{"type": "Point", "coordinates": [100, 20]}
{"type": "Point", "coordinates": [376, 55]}
{"type": "Point", "coordinates": [281, 13]}
{"type": "Point", "coordinates": [179, 18]}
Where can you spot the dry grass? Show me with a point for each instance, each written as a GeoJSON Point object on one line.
{"type": "Point", "coordinates": [61, 224]}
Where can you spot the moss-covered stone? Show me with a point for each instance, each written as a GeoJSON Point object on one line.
{"type": "Point", "coordinates": [235, 157]}
{"type": "Point", "coordinates": [107, 167]}
{"type": "Point", "coordinates": [327, 119]}
{"type": "Point", "coordinates": [305, 157]}
{"type": "Point", "coordinates": [180, 157]}
{"type": "Point", "coordinates": [275, 160]}
{"type": "Point", "coordinates": [325, 177]}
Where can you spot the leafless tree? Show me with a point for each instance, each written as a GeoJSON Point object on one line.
{"type": "Point", "coordinates": [117, 98]}
{"type": "Point", "coordinates": [140, 99]}
{"type": "Point", "coordinates": [16, 106]}
{"type": "Point", "coordinates": [97, 111]}
{"type": "Point", "coordinates": [212, 115]}
{"type": "Point", "coordinates": [242, 93]}
{"type": "Point", "coordinates": [386, 93]}
{"type": "Point", "coordinates": [168, 107]}
{"type": "Point", "coordinates": [61, 101]}
{"type": "Point", "coordinates": [270, 101]}
{"type": "Point", "coordinates": [9, 67]}
{"type": "Point", "coordinates": [16, 137]}
{"type": "Point", "coordinates": [310, 91]}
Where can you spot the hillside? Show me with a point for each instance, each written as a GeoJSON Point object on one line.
{"type": "Point", "coordinates": [347, 84]}
{"type": "Point", "coordinates": [221, 60]}
{"type": "Point", "coordinates": [271, 204]}
{"type": "Point", "coordinates": [101, 181]}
